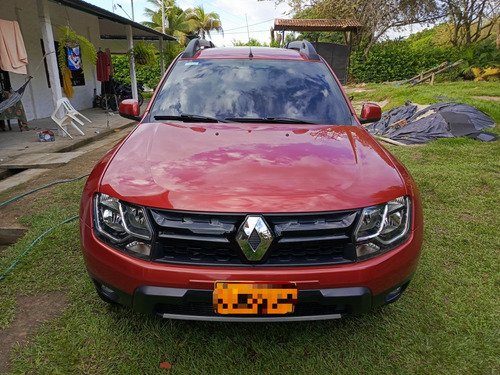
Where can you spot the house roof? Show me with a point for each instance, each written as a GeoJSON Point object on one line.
{"type": "Point", "coordinates": [112, 26]}
{"type": "Point", "coordinates": [316, 25]}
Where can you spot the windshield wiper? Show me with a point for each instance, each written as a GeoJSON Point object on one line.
{"type": "Point", "coordinates": [185, 117]}
{"type": "Point", "coordinates": [269, 120]}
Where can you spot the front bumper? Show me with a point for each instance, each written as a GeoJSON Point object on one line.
{"type": "Point", "coordinates": [195, 304]}
{"type": "Point", "coordinates": [185, 292]}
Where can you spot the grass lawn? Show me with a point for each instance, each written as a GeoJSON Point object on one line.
{"type": "Point", "coordinates": [447, 322]}
{"type": "Point", "coordinates": [465, 92]}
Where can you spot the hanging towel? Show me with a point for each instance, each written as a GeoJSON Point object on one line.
{"type": "Point", "coordinates": [67, 84]}
{"type": "Point", "coordinates": [13, 56]}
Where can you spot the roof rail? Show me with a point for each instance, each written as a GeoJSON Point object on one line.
{"type": "Point", "coordinates": [304, 47]}
{"type": "Point", "coordinates": [196, 45]}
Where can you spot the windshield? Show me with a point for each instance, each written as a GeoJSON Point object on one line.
{"type": "Point", "coordinates": [252, 89]}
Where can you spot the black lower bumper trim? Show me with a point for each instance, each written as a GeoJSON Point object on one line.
{"type": "Point", "coordinates": [197, 304]}
{"type": "Point", "coordinates": [194, 304]}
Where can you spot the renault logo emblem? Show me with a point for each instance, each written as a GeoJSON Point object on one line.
{"type": "Point", "coordinates": [254, 237]}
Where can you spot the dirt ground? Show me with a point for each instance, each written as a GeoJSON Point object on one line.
{"type": "Point", "coordinates": [32, 311]}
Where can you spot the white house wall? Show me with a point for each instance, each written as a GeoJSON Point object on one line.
{"type": "Point", "coordinates": [37, 99]}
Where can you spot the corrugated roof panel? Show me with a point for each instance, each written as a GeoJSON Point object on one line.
{"type": "Point", "coordinates": [317, 25]}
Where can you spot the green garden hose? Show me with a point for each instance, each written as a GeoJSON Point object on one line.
{"type": "Point", "coordinates": [26, 252]}
{"type": "Point", "coordinates": [43, 187]}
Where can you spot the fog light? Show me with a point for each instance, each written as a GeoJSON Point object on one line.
{"type": "Point", "coordinates": [366, 250]}
{"type": "Point", "coordinates": [394, 295]}
{"type": "Point", "coordinates": [139, 248]}
{"type": "Point", "coordinates": [106, 290]}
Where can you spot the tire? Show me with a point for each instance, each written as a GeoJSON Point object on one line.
{"type": "Point", "coordinates": [97, 101]}
{"type": "Point", "coordinates": [109, 102]}
{"type": "Point", "coordinates": [103, 102]}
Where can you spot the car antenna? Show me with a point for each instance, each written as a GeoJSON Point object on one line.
{"type": "Point", "coordinates": [250, 55]}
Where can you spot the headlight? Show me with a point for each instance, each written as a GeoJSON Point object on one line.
{"type": "Point", "coordinates": [382, 227]}
{"type": "Point", "coordinates": [122, 225]}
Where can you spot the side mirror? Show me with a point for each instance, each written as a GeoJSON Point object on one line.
{"type": "Point", "coordinates": [129, 108]}
{"type": "Point", "coordinates": [369, 113]}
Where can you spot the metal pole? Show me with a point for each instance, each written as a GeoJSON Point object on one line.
{"type": "Point", "coordinates": [248, 31]}
{"type": "Point", "coordinates": [132, 6]}
{"type": "Point", "coordinates": [162, 61]}
{"type": "Point", "coordinates": [163, 16]}
{"type": "Point", "coordinates": [133, 79]}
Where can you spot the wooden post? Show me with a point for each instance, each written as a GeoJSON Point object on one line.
{"type": "Point", "coordinates": [436, 73]}
{"type": "Point", "coordinates": [432, 78]}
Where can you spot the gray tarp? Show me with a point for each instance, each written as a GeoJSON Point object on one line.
{"type": "Point", "coordinates": [442, 120]}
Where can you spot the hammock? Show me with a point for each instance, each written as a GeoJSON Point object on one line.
{"type": "Point", "coordinates": [14, 97]}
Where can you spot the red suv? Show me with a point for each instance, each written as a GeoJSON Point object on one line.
{"type": "Point", "coordinates": [249, 191]}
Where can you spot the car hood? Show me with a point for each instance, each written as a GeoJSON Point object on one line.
{"type": "Point", "coordinates": [251, 168]}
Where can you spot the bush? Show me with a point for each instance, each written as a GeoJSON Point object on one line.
{"type": "Point", "coordinates": [149, 75]}
{"type": "Point", "coordinates": [396, 60]}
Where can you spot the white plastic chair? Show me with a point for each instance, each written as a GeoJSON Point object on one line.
{"type": "Point", "coordinates": [71, 111]}
{"type": "Point", "coordinates": [68, 115]}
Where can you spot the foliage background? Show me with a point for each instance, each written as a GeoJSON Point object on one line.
{"type": "Point", "coordinates": [149, 75]}
{"type": "Point", "coordinates": [394, 60]}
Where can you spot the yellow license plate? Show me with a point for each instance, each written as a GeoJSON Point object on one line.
{"type": "Point", "coordinates": [254, 298]}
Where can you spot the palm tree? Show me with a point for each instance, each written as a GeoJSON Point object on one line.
{"type": "Point", "coordinates": [155, 14]}
{"type": "Point", "coordinates": [177, 24]}
{"type": "Point", "coordinates": [205, 22]}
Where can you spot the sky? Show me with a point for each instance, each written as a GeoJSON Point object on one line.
{"type": "Point", "coordinates": [234, 15]}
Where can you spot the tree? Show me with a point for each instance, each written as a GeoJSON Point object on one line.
{"type": "Point", "coordinates": [176, 22]}
{"type": "Point", "coordinates": [376, 16]}
{"type": "Point", "coordinates": [204, 22]}
{"type": "Point", "coordinates": [160, 8]}
{"type": "Point", "coordinates": [471, 21]}
{"type": "Point", "coordinates": [252, 42]}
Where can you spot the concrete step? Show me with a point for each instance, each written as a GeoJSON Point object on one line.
{"type": "Point", "coordinates": [40, 160]}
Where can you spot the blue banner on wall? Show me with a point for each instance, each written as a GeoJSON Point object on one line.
{"type": "Point", "coordinates": [74, 61]}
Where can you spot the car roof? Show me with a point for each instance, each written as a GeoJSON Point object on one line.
{"type": "Point", "coordinates": [246, 52]}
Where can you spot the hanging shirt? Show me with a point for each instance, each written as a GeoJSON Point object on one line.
{"type": "Point", "coordinates": [13, 56]}
{"type": "Point", "coordinates": [111, 70]}
{"type": "Point", "coordinates": [102, 66]}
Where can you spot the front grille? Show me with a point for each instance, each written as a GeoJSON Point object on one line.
{"type": "Point", "coordinates": [210, 239]}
